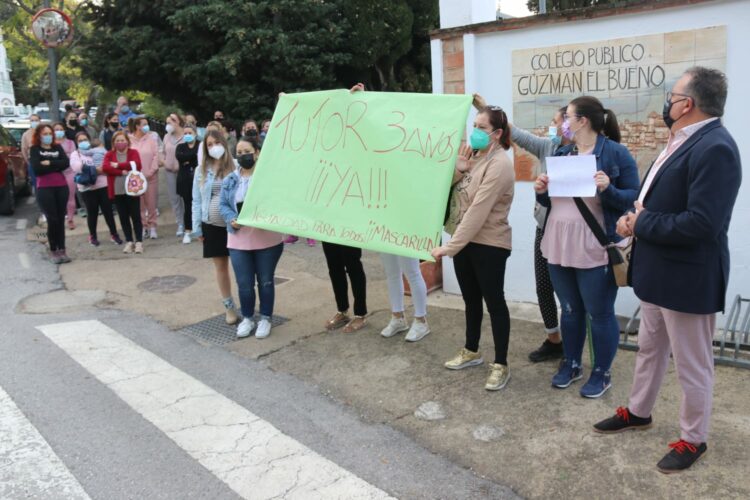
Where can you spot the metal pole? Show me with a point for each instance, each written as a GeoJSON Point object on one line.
{"type": "Point", "coordinates": [54, 106]}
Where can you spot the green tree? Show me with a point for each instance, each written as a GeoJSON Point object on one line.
{"type": "Point", "coordinates": [237, 55]}
{"type": "Point", "coordinates": [28, 57]}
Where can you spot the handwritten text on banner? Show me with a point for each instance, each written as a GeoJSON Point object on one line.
{"type": "Point", "coordinates": [368, 169]}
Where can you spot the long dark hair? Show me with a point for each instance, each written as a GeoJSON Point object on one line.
{"type": "Point", "coordinates": [603, 121]}
{"type": "Point", "coordinates": [499, 120]}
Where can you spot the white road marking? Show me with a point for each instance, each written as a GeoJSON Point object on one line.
{"type": "Point", "coordinates": [249, 454]}
{"type": "Point", "coordinates": [24, 259]}
{"type": "Point", "coordinates": [29, 468]}
{"type": "Point", "coordinates": [21, 224]}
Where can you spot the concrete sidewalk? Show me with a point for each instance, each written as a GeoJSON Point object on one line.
{"type": "Point", "coordinates": [529, 436]}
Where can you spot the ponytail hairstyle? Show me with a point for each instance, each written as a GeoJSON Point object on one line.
{"type": "Point", "coordinates": [602, 120]}
{"type": "Point", "coordinates": [134, 121]}
{"type": "Point", "coordinates": [499, 120]}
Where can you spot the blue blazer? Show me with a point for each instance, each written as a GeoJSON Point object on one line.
{"type": "Point", "coordinates": [680, 257]}
{"type": "Point", "coordinates": [615, 160]}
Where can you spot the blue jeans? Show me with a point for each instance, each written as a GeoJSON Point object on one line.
{"type": "Point", "coordinates": [251, 266]}
{"type": "Point", "coordinates": [593, 292]}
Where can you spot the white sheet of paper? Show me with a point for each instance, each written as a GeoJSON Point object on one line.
{"type": "Point", "coordinates": [571, 176]}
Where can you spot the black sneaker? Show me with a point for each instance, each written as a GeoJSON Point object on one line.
{"type": "Point", "coordinates": [548, 350]}
{"type": "Point", "coordinates": [681, 457]}
{"type": "Point", "coordinates": [623, 420]}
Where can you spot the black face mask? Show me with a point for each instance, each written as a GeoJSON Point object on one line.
{"type": "Point", "coordinates": [667, 109]}
{"type": "Point", "coordinates": [251, 132]}
{"type": "Point", "coordinates": [114, 124]}
{"type": "Point", "coordinates": [73, 122]}
{"type": "Point", "coordinates": [246, 161]}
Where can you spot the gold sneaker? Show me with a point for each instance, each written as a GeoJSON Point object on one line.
{"type": "Point", "coordinates": [464, 359]}
{"type": "Point", "coordinates": [499, 376]}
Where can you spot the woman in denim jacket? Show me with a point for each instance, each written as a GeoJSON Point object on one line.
{"type": "Point", "coordinates": [208, 225]}
{"type": "Point", "coordinates": [578, 264]}
{"type": "Point", "coordinates": [254, 252]}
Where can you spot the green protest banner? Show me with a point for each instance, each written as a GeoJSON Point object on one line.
{"type": "Point", "coordinates": [365, 169]}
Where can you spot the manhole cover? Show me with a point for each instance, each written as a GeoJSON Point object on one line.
{"type": "Point", "coordinates": [166, 284]}
{"type": "Point", "coordinates": [216, 330]}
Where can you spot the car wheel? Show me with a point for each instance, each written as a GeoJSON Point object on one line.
{"type": "Point", "coordinates": [8, 197]}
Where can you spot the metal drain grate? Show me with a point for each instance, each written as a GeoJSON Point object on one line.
{"type": "Point", "coordinates": [216, 330]}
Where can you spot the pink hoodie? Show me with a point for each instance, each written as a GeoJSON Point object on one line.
{"type": "Point", "coordinates": [148, 149]}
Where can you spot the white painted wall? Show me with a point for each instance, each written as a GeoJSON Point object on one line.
{"type": "Point", "coordinates": [462, 12]}
{"type": "Point", "coordinates": [491, 72]}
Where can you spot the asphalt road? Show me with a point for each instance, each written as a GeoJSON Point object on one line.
{"type": "Point", "coordinates": [108, 404]}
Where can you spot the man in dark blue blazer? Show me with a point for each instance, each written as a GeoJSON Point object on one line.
{"type": "Point", "coordinates": [679, 266]}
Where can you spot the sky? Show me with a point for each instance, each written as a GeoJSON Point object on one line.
{"type": "Point", "coordinates": [515, 8]}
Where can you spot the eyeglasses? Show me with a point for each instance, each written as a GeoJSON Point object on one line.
{"type": "Point", "coordinates": [494, 108]}
{"type": "Point", "coordinates": [567, 116]}
{"type": "Point", "coordinates": [670, 94]}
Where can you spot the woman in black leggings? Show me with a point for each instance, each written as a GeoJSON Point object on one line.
{"type": "Point", "coordinates": [343, 261]}
{"type": "Point", "coordinates": [48, 160]}
{"type": "Point", "coordinates": [88, 157]}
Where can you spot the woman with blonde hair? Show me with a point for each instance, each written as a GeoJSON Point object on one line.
{"type": "Point", "coordinates": [208, 224]}
{"type": "Point", "coordinates": [148, 147]}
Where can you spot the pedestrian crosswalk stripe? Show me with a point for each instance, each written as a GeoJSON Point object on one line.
{"type": "Point", "coordinates": [29, 468]}
{"type": "Point", "coordinates": [249, 454]}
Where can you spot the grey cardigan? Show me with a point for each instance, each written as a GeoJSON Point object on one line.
{"type": "Point", "coordinates": [541, 147]}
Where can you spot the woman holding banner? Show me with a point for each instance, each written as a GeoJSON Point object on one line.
{"type": "Point", "coordinates": [541, 147]}
{"type": "Point", "coordinates": [396, 267]}
{"type": "Point", "coordinates": [254, 252]}
{"type": "Point", "coordinates": [480, 245]}
{"type": "Point", "coordinates": [578, 263]}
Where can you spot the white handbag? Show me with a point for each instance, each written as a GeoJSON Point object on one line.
{"type": "Point", "coordinates": [135, 182]}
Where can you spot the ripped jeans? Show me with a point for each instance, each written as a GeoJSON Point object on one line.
{"type": "Point", "coordinates": [593, 292]}
{"type": "Point", "coordinates": [251, 266]}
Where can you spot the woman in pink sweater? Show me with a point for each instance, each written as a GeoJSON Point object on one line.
{"type": "Point", "coordinates": [147, 144]}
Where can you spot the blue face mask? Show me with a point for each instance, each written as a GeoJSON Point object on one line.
{"type": "Point", "coordinates": [59, 134]}
{"type": "Point", "coordinates": [188, 137]}
{"type": "Point", "coordinates": [201, 133]}
{"type": "Point", "coordinates": [84, 146]}
{"type": "Point", "coordinates": [125, 109]}
{"type": "Point", "coordinates": [84, 122]}
{"type": "Point", "coordinates": [146, 129]}
{"type": "Point", "coordinates": [47, 139]}
{"type": "Point", "coordinates": [34, 124]}
{"type": "Point", "coordinates": [479, 139]}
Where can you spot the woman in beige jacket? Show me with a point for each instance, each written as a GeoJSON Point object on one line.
{"type": "Point", "coordinates": [481, 238]}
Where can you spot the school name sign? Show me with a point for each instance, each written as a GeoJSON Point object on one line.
{"type": "Point", "coordinates": [586, 70]}
{"type": "Point", "coordinates": [366, 169]}
{"type": "Point", "coordinates": [631, 76]}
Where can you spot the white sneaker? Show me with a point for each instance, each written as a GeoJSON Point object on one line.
{"type": "Point", "coordinates": [128, 247]}
{"type": "Point", "coordinates": [186, 239]}
{"type": "Point", "coordinates": [264, 329]}
{"type": "Point", "coordinates": [397, 325]}
{"type": "Point", "coordinates": [418, 331]}
{"type": "Point", "coordinates": [152, 233]}
{"type": "Point", "coordinates": [244, 328]}
{"type": "Point", "coordinates": [180, 230]}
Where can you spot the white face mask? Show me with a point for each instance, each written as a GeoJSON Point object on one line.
{"type": "Point", "coordinates": [169, 128]}
{"type": "Point", "coordinates": [216, 151]}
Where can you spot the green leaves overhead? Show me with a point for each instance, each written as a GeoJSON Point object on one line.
{"type": "Point", "coordinates": [238, 55]}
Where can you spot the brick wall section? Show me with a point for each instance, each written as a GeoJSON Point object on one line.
{"type": "Point", "coordinates": [453, 65]}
